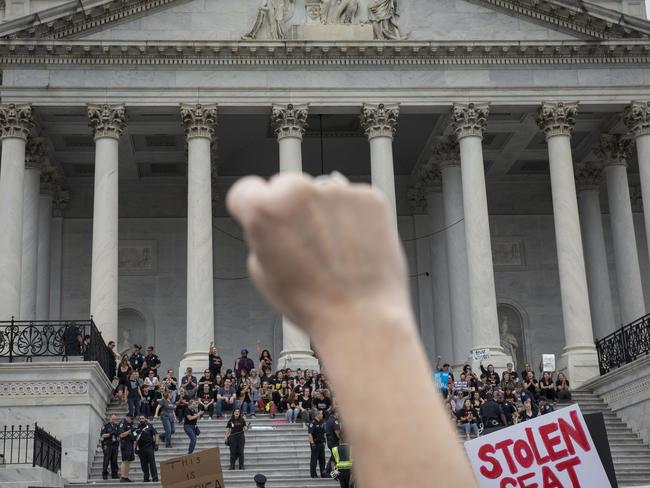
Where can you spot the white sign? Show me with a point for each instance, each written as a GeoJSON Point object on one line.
{"type": "Point", "coordinates": [548, 362]}
{"type": "Point", "coordinates": [551, 451]}
{"type": "Point", "coordinates": [481, 354]}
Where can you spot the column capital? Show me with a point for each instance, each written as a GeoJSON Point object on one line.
{"type": "Point", "coordinates": [35, 152]}
{"type": "Point", "coordinates": [15, 121]}
{"type": "Point", "coordinates": [447, 152]}
{"type": "Point", "coordinates": [60, 201]}
{"type": "Point", "coordinates": [416, 199]}
{"type": "Point", "coordinates": [557, 118]}
{"type": "Point", "coordinates": [289, 120]}
{"type": "Point", "coordinates": [637, 118]}
{"type": "Point", "coordinates": [469, 119]}
{"type": "Point", "coordinates": [613, 149]}
{"type": "Point", "coordinates": [589, 176]}
{"type": "Point", "coordinates": [107, 120]}
{"type": "Point", "coordinates": [379, 120]}
{"type": "Point", "coordinates": [199, 120]}
{"type": "Point", "coordinates": [51, 179]}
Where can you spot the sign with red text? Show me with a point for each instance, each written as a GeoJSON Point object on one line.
{"type": "Point", "coordinates": [551, 451]}
{"type": "Point", "coordinates": [196, 470]}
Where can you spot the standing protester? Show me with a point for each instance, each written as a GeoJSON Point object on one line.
{"type": "Point", "coordinates": [152, 360]}
{"type": "Point", "coordinates": [333, 436]}
{"type": "Point", "coordinates": [235, 438]}
{"type": "Point", "coordinates": [146, 443]}
{"type": "Point", "coordinates": [133, 394]}
{"type": "Point", "coordinates": [214, 360]}
{"type": "Point", "coordinates": [317, 443]}
{"type": "Point", "coordinates": [126, 432]}
{"type": "Point", "coordinates": [113, 357]}
{"type": "Point", "coordinates": [243, 363]}
{"type": "Point", "coordinates": [110, 445]}
{"type": "Point", "coordinates": [123, 373]}
{"type": "Point", "coordinates": [166, 409]}
{"type": "Point", "coordinates": [190, 416]}
{"type": "Point", "coordinates": [137, 359]}
{"type": "Point", "coordinates": [170, 383]}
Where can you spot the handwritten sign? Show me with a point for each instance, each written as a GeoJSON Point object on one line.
{"type": "Point", "coordinates": [548, 362]}
{"type": "Point", "coordinates": [196, 470]}
{"type": "Point", "coordinates": [551, 451]}
{"type": "Point", "coordinates": [460, 385]}
{"type": "Point", "coordinates": [481, 354]}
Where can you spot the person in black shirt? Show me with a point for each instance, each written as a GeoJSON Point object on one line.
{"type": "Point", "coordinates": [146, 443]}
{"type": "Point", "coordinates": [491, 413]}
{"type": "Point", "coordinates": [110, 445]}
{"type": "Point", "coordinates": [190, 416]}
{"type": "Point", "coordinates": [305, 406]}
{"type": "Point", "coordinates": [322, 403]}
{"type": "Point", "coordinates": [529, 411]}
{"type": "Point", "coordinates": [133, 394]}
{"type": "Point", "coordinates": [126, 433]}
{"type": "Point", "coordinates": [214, 361]}
{"type": "Point", "coordinates": [72, 340]}
{"type": "Point", "coordinates": [152, 360]}
{"type": "Point", "coordinates": [544, 406]}
{"type": "Point", "coordinates": [317, 443]}
{"type": "Point", "coordinates": [333, 437]}
{"type": "Point", "coordinates": [235, 438]}
{"type": "Point", "coordinates": [137, 359]}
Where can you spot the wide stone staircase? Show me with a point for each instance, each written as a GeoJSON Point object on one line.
{"type": "Point", "coordinates": [281, 451]}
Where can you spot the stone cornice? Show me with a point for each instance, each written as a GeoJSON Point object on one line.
{"type": "Point", "coordinates": [298, 53]}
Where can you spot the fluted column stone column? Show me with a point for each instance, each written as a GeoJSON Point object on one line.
{"type": "Point", "coordinates": [469, 122]}
{"type": "Point", "coordinates": [613, 150]}
{"type": "Point", "coordinates": [108, 123]}
{"type": "Point", "coordinates": [199, 122]}
{"type": "Point", "coordinates": [579, 358]}
{"type": "Point", "coordinates": [588, 182]}
{"type": "Point", "coordinates": [379, 122]}
{"type": "Point", "coordinates": [15, 125]}
{"type": "Point", "coordinates": [289, 122]}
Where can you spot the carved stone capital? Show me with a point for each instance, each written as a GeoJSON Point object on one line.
{"type": "Point", "coordinates": [107, 120]}
{"type": "Point", "coordinates": [15, 121]}
{"type": "Point", "coordinates": [589, 175]}
{"type": "Point", "coordinates": [637, 118]}
{"type": "Point", "coordinates": [613, 149]}
{"type": "Point", "coordinates": [557, 119]}
{"type": "Point", "coordinates": [35, 153]}
{"type": "Point", "coordinates": [51, 179]}
{"type": "Point", "coordinates": [379, 120]}
{"type": "Point", "coordinates": [416, 199]}
{"type": "Point", "coordinates": [289, 120]}
{"type": "Point", "coordinates": [447, 153]}
{"type": "Point", "coordinates": [199, 120]}
{"type": "Point", "coordinates": [469, 119]}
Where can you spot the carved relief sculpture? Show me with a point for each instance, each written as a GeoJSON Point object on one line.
{"type": "Point", "coordinates": [275, 14]}
{"type": "Point", "coordinates": [383, 16]}
{"type": "Point", "coordinates": [346, 11]}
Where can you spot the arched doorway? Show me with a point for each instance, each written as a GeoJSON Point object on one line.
{"type": "Point", "coordinates": [512, 331]}
{"type": "Point", "coordinates": [131, 329]}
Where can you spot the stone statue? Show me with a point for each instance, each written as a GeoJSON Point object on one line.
{"type": "Point", "coordinates": [383, 16]}
{"type": "Point", "coordinates": [509, 342]}
{"type": "Point", "coordinates": [325, 8]}
{"type": "Point", "coordinates": [346, 11]}
{"type": "Point", "coordinates": [274, 13]}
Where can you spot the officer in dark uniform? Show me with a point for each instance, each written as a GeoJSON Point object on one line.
{"type": "Point", "coordinates": [146, 443]}
{"type": "Point", "coordinates": [492, 414]}
{"type": "Point", "coordinates": [332, 435]}
{"type": "Point", "coordinates": [137, 359]}
{"type": "Point", "coordinates": [110, 445]}
{"type": "Point", "coordinates": [317, 444]}
{"type": "Point", "coordinates": [152, 360]}
{"type": "Point", "coordinates": [126, 433]}
{"type": "Point", "coordinates": [260, 481]}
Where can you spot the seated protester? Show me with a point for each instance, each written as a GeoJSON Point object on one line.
{"type": "Point", "coordinates": [171, 384]}
{"type": "Point", "coordinates": [267, 376]}
{"type": "Point", "coordinates": [299, 374]}
{"type": "Point", "coordinates": [476, 400]}
{"type": "Point", "coordinates": [153, 361]}
{"type": "Point", "coordinates": [292, 407]}
{"type": "Point", "coordinates": [468, 419]}
{"type": "Point", "coordinates": [507, 381]}
{"type": "Point", "coordinates": [544, 406]}
{"type": "Point", "coordinates": [320, 383]}
{"type": "Point", "coordinates": [245, 397]}
{"type": "Point", "coordinates": [473, 383]}
{"type": "Point", "coordinates": [206, 379]}
{"type": "Point", "coordinates": [190, 383]}
{"type": "Point", "coordinates": [255, 383]}
{"type": "Point", "coordinates": [547, 387]}
{"type": "Point", "coordinates": [491, 413]}
{"type": "Point", "coordinates": [508, 407]}
{"type": "Point", "coordinates": [146, 405]}
{"type": "Point", "coordinates": [226, 398]}
{"type": "Point", "coordinates": [492, 379]}
{"type": "Point", "coordinates": [265, 399]}
{"type": "Point", "coordinates": [151, 381]}
{"type": "Point", "coordinates": [214, 361]}
{"type": "Point", "coordinates": [288, 375]}
{"type": "Point", "coordinates": [305, 406]}
{"type": "Point", "coordinates": [279, 378]}
{"type": "Point", "coordinates": [527, 369]}
{"type": "Point", "coordinates": [206, 401]}
{"type": "Point", "coordinates": [521, 395]}
{"type": "Point", "coordinates": [309, 379]}
{"type": "Point", "coordinates": [458, 399]}
{"type": "Point", "coordinates": [218, 382]}
{"type": "Point", "coordinates": [531, 384]}
{"type": "Point", "coordinates": [280, 396]}
{"type": "Point", "coordinates": [514, 376]}
{"type": "Point", "coordinates": [241, 379]}
{"type": "Point", "coordinates": [562, 387]}
{"type": "Point", "coordinates": [451, 412]}
{"type": "Point", "coordinates": [230, 375]}
{"type": "Point", "coordinates": [265, 357]}
{"type": "Point", "coordinates": [322, 403]}
{"type": "Point", "coordinates": [528, 412]}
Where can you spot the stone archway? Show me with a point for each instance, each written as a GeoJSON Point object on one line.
{"type": "Point", "coordinates": [512, 330]}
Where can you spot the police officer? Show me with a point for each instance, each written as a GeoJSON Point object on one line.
{"type": "Point", "coordinates": [317, 443]}
{"type": "Point", "coordinates": [146, 443]}
{"type": "Point", "coordinates": [492, 414]}
{"type": "Point", "coordinates": [110, 445]}
{"type": "Point", "coordinates": [332, 435]}
{"type": "Point", "coordinates": [126, 433]}
{"type": "Point", "coordinates": [343, 459]}
{"type": "Point", "coordinates": [260, 481]}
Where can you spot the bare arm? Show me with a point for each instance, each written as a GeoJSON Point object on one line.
{"type": "Point", "coordinates": [339, 262]}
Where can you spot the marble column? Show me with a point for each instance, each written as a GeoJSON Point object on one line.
{"type": "Point", "coordinates": [59, 203]}
{"type": "Point", "coordinates": [289, 123]}
{"type": "Point", "coordinates": [469, 122]}
{"type": "Point", "coordinates": [579, 358]}
{"type": "Point", "coordinates": [588, 182]}
{"type": "Point", "coordinates": [44, 247]}
{"type": "Point", "coordinates": [380, 123]}
{"type": "Point", "coordinates": [448, 155]}
{"type": "Point", "coordinates": [108, 123]}
{"type": "Point", "coordinates": [15, 125]}
{"type": "Point", "coordinates": [200, 122]}
{"type": "Point", "coordinates": [613, 150]}
{"type": "Point", "coordinates": [34, 158]}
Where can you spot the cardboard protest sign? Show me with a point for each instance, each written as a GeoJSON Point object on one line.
{"type": "Point", "coordinates": [481, 354]}
{"type": "Point", "coordinates": [460, 385]}
{"type": "Point", "coordinates": [550, 451]}
{"type": "Point", "coordinates": [548, 362]}
{"type": "Point", "coordinates": [442, 379]}
{"type": "Point", "coordinates": [196, 470]}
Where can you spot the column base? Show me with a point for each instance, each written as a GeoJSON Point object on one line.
{"type": "Point", "coordinates": [196, 360]}
{"type": "Point", "coordinates": [579, 363]}
{"type": "Point", "coordinates": [295, 359]}
{"type": "Point", "coordinates": [497, 358]}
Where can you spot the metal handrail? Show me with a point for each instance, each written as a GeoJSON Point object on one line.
{"type": "Point", "coordinates": [625, 345]}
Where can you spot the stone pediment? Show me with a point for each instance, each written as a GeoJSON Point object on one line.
{"type": "Point", "coordinates": [327, 20]}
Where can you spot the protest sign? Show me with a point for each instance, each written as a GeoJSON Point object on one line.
{"type": "Point", "coordinates": [551, 451]}
{"type": "Point", "coordinates": [442, 380]}
{"type": "Point", "coordinates": [197, 470]}
{"type": "Point", "coordinates": [481, 354]}
{"type": "Point", "coordinates": [460, 385]}
{"type": "Point", "coordinates": [548, 362]}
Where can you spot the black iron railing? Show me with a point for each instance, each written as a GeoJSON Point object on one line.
{"type": "Point", "coordinates": [22, 341]}
{"type": "Point", "coordinates": [625, 345]}
{"type": "Point", "coordinates": [27, 446]}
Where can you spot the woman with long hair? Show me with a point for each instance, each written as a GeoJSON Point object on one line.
{"type": "Point", "coordinates": [235, 438]}
{"type": "Point", "coordinates": [123, 373]}
{"type": "Point", "coordinates": [547, 387]}
{"type": "Point", "coordinates": [563, 388]}
{"type": "Point", "coordinates": [529, 412]}
{"type": "Point", "coordinates": [468, 417]}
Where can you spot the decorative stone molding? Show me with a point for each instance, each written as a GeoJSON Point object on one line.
{"type": "Point", "coordinates": [107, 120]}
{"type": "Point", "coordinates": [469, 120]}
{"type": "Point", "coordinates": [447, 153]}
{"type": "Point", "coordinates": [589, 175]}
{"type": "Point", "coordinates": [379, 120]}
{"type": "Point", "coordinates": [199, 120]}
{"type": "Point", "coordinates": [613, 149]}
{"type": "Point", "coordinates": [557, 119]}
{"type": "Point", "coordinates": [42, 388]}
{"type": "Point", "coordinates": [637, 118]}
{"type": "Point", "coordinates": [35, 153]}
{"type": "Point", "coordinates": [289, 120]}
{"type": "Point", "coordinates": [630, 394]}
{"type": "Point", "coordinates": [15, 121]}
